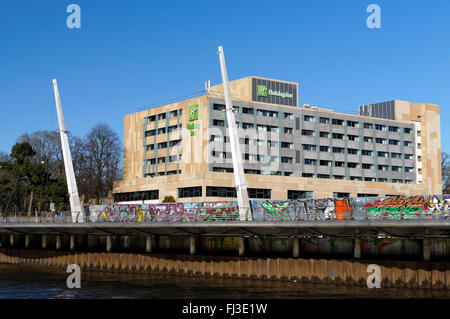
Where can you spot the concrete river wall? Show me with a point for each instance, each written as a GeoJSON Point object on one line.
{"type": "Point", "coordinates": [394, 274]}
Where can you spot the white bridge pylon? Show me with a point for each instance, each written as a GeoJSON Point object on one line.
{"type": "Point", "coordinates": [75, 206]}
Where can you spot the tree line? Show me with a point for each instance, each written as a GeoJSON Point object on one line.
{"type": "Point", "coordinates": [32, 176]}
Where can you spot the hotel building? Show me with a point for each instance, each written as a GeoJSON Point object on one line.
{"type": "Point", "coordinates": [289, 151]}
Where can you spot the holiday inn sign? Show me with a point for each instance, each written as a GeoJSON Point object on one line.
{"type": "Point", "coordinates": [275, 92]}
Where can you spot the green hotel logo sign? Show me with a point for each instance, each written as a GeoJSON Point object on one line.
{"type": "Point", "coordinates": [263, 92]}
{"type": "Point", "coordinates": [193, 112]}
{"type": "Point", "coordinates": [193, 116]}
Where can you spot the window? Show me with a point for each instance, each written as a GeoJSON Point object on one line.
{"type": "Point", "coordinates": [173, 128]}
{"type": "Point", "coordinates": [288, 116]}
{"type": "Point", "coordinates": [162, 130]}
{"type": "Point", "coordinates": [307, 175]}
{"type": "Point", "coordinates": [352, 151]}
{"type": "Point", "coordinates": [419, 133]}
{"type": "Point", "coordinates": [307, 132]}
{"type": "Point", "coordinates": [215, 138]}
{"type": "Point", "coordinates": [324, 134]}
{"type": "Point", "coordinates": [309, 147]}
{"type": "Point", "coordinates": [397, 181]}
{"type": "Point", "coordinates": [323, 176]}
{"type": "Point", "coordinates": [266, 113]}
{"type": "Point", "coordinates": [173, 113]}
{"type": "Point", "coordinates": [407, 143]}
{"type": "Point", "coordinates": [339, 164]}
{"type": "Point", "coordinates": [287, 145]}
{"type": "Point", "coordinates": [341, 195]}
{"type": "Point", "coordinates": [219, 107]}
{"type": "Point", "coordinates": [150, 133]}
{"type": "Point", "coordinates": [338, 136]}
{"type": "Point", "coordinates": [352, 124]}
{"type": "Point", "coordinates": [368, 125]}
{"type": "Point", "coordinates": [161, 160]}
{"type": "Point", "coordinates": [288, 173]}
{"type": "Point", "coordinates": [406, 130]}
{"type": "Point", "coordinates": [396, 155]}
{"type": "Point", "coordinates": [162, 116]}
{"type": "Point", "coordinates": [288, 130]}
{"type": "Point", "coordinates": [369, 179]}
{"type": "Point", "coordinates": [394, 142]}
{"type": "Point", "coordinates": [368, 139]}
{"type": "Point", "coordinates": [247, 110]}
{"type": "Point", "coordinates": [325, 163]}
{"type": "Point", "coordinates": [310, 161]}
{"type": "Point", "coordinates": [174, 143]}
{"type": "Point", "coordinates": [394, 129]}
{"type": "Point", "coordinates": [407, 156]}
{"type": "Point", "coordinates": [151, 118]}
{"type": "Point", "coordinates": [355, 178]}
{"type": "Point", "coordinates": [396, 168]}
{"type": "Point", "coordinates": [419, 146]}
{"type": "Point", "coordinates": [352, 165]}
{"type": "Point", "coordinates": [324, 148]}
{"type": "Point", "coordinates": [367, 153]}
{"type": "Point", "coordinates": [190, 192]}
{"type": "Point", "coordinates": [419, 158]}
{"type": "Point", "coordinates": [150, 147]}
{"type": "Point", "coordinates": [133, 196]}
{"type": "Point", "coordinates": [252, 171]}
{"type": "Point", "coordinates": [380, 127]}
{"type": "Point", "coordinates": [308, 118]}
{"type": "Point", "coordinates": [419, 170]}
{"type": "Point", "coordinates": [367, 195]}
{"type": "Point", "coordinates": [337, 122]}
{"type": "Point", "coordinates": [383, 154]}
{"type": "Point", "coordinates": [259, 193]}
{"type": "Point", "coordinates": [218, 122]}
{"type": "Point", "coordinates": [162, 145]}
{"type": "Point", "coordinates": [293, 195]}
{"type": "Point", "coordinates": [409, 169]}
{"type": "Point", "coordinates": [383, 167]}
{"type": "Point", "coordinates": [286, 159]}
{"type": "Point", "coordinates": [324, 120]}
{"type": "Point", "coordinates": [382, 180]}
{"type": "Point", "coordinates": [338, 177]}
{"type": "Point", "coordinates": [380, 140]}
{"type": "Point", "coordinates": [353, 138]}
{"type": "Point", "coordinates": [213, 191]}
{"type": "Point", "coordinates": [367, 166]}
{"type": "Point", "coordinates": [247, 125]}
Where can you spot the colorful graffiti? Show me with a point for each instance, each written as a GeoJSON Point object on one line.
{"type": "Point", "coordinates": [276, 209]}
{"type": "Point", "coordinates": [393, 207]}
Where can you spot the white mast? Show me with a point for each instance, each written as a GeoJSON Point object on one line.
{"type": "Point", "coordinates": [239, 177]}
{"type": "Point", "coordinates": [75, 206]}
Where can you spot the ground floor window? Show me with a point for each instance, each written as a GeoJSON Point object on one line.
{"type": "Point", "coordinates": [190, 192]}
{"type": "Point", "coordinates": [259, 193]}
{"type": "Point", "coordinates": [212, 191]}
{"type": "Point", "coordinates": [136, 196]}
{"type": "Point", "coordinates": [292, 194]}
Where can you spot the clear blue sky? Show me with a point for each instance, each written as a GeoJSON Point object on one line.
{"type": "Point", "coordinates": [133, 53]}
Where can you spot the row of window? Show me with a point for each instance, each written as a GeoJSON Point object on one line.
{"type": "Point", "coordinates": [367, 139]}
{"type": "Point", "coordinates": [161, 160]}
{"type": "Point", "coordinates": [354, 151]}
{"type": "Point", "coordinates": [173, 172]}
{"type": "Point", "coordinates": [339, 122]}
{"type": "Point", "coordinates": [162, 145]}
{"type": "Point", "coordinates": [163, 116]}
{"type": "Point", "coordinates": [250, 171]}
{"type": "Point", "coordinates": [213, 191]}
{"type": "Point", "coordinates": [359, 165]}
{"type": "Point", "coordinates": [355, 178]}
{"type": "Point", "coordinates": [136, 196]}
{"type": "Point", "coordinates": [259, 112]}
{"type": "Point", "coordinates": [163, 130]}
{"type": "Point", "coordinates": [253, 157]}
{"type": "Point", "coordinates": [261, 128]}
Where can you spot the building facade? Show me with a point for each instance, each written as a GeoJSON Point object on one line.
{"type": "Point", "coordinates": [289, 152]}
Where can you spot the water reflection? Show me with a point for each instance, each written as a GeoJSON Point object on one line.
{"type": "Point", "coordinates": [39, 283]}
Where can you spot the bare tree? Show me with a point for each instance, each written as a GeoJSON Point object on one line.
{"type": "Point", "coordinates": [445, 163]}
{"type": "Point", "coordinates": [102, 150]}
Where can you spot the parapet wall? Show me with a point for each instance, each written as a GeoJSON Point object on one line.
{"type": "Point", "coordinates": [394, 274]}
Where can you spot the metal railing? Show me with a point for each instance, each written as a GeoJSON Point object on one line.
{"type": "Point", "coordinates": [274, 213]}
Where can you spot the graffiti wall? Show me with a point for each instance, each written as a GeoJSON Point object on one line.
{"type": "Point", "coordinates": [393, 207]}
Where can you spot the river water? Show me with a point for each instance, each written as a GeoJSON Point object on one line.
{"type": "Point", "coordinates": [35, 282]}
